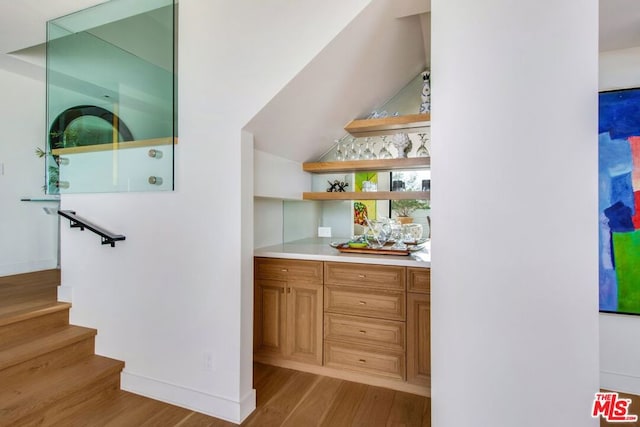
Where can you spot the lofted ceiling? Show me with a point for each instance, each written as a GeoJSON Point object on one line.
{"type": "Point", "coordinates": [366, 64]}
{"type": "Point", "coordinates": [23, 25]}
{"type": "Point", "coordinates": [374, 57]}
{"type": "Point", "coordinates": [619, 24]}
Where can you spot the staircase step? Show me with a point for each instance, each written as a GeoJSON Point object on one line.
{"type": "Point", "coordinates": [53, 349]}
{"type": "Point", "coordinates": [37, 286]}
{"type": "Point", "coordinates": [31, 319]}
{"type": "Point", "coordinates": [57, 392]}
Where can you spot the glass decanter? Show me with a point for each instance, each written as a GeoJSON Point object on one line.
{"type": "Point", "coordinates": [403, 144]}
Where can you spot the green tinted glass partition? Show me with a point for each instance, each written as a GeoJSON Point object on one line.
{"type": "Point", "coordinates": [111, 98]}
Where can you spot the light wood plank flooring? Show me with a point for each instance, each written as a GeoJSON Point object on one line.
{"type": "Point", "coordinates": [634, 409]}
{"type": "Point", "coordinates": [284, 398]}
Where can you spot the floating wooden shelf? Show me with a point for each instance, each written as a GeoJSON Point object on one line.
{"type": "Point", "coordinates": [412, 123]}
{"type": "Point", "coordinates": [367, 165]}
{"type": "Point", "coordinates": [369, 195]}
{"type": "Point", "coordinates": [117, 146]}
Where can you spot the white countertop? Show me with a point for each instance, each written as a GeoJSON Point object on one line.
{"type": "Point", "coordinates": [318, 249]}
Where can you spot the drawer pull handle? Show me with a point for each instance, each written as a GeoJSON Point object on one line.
{"type": "Point", "coordinates": [362, 361]}
{"type": "Point", "coordinates": [284, 270]}
{"type": "Point", "coordinates": [363, 332]}
{"type": "Point", "coordinates": [362, 303]}
{"type": "Point", "coordinates": [362, 276]}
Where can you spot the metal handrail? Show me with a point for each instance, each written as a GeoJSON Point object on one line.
{"type": "Point", "coordinates": [108, 238]}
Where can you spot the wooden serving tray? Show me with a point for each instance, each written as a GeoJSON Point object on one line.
{"type": "Point", "coordinates": [382, 251]}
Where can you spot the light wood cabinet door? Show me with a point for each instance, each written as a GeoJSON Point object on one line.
{"type": "Point", "coordinates": [370, 360]}
{"type": "Point", "coordinates": [419, 279]}
{"type": "Point", "coordinates": [377, 303]}
{"type": "Point", "coordinates": [418, 338]}
{"type": "Point", "coordinates": [304, 323]}
{"type": "Point", "coordinates": [370, 276]}
{"type": "Point", "coordinates": [298, 271]}
{"type": "Point", "coordinates": [270, 316]}
{"type": "Point", "coordinates": [386, 334]}
{"type": "Point", "coordinates": [288, 309]}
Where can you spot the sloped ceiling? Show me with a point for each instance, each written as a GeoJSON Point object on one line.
{"type": "Point", "coordinates": [23, 25]}
{"type": "Point", "coordinates": [619, 24]}
{"type": "Point", "coordinates": [365, 65]}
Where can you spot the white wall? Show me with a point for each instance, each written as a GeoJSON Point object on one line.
{"type": "Point", "coordinates": [279, 177]}
{"type": "Point", "coordinates": [514, 270]}
{"type": "Point", "coordinates": [180, 286]}
{"type": "Point", "coordinates": [29, 236]}
{"type": "Point", "coordinates": [620, 334]}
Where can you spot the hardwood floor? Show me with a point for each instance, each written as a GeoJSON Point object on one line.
{"type": "Point", "coordinates": [284, 398]}
{"type": "Point", "coordinates": [633, 409]}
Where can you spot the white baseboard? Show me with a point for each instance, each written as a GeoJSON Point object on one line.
{"type": "Point", "coordinates": [195, 400]}
{"type": "Point", "coordinates": [620, 382]}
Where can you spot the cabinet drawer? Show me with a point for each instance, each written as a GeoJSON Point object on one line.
{"type": "Point", "coordinates": [388, 364]}
{"type": "Point", "coordinates": [288, 270]}
{"type": "Point", "coordinates": [419, 280]}
{"type": "Point", "coordinates": [372, 303]}
{"type": "Point", "coordinates": [369, 275]}
{"type": "Point", "coordinates": [388, 334]}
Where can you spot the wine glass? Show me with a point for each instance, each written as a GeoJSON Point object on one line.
{"type": "Point", "coordinates": [384, 151]}
{"type": "Point", "coordinates": [368, 154]}
{"type": "Point", "coordinates": [353, 152]}
{"type": "Point", "coordinates": [339, 154]}
{"type": "Point", "coordinates": [423, 151]}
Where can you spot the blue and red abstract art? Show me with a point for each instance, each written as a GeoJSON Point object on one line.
{"type": "Point", "coordinates": [619, 200]}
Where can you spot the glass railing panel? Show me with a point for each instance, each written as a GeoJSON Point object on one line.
{"type": "Point", "coordinates": [111, 98]}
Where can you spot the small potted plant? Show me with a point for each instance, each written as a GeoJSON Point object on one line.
{"type": "Point", "coordinates": [404, 208]}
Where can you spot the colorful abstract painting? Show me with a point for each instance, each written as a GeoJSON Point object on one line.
{"type": "Point", "coordinates": [619, 201]}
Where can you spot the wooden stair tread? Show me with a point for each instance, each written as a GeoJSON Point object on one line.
{"type": "Point", "coordinates": [36, 346]}
{"type": "Point", "coordinates": [21, 312]}
{"type": "Point", "coordinates": [30, 397]}
{"type": "Point", "coordinates": [44, 277]}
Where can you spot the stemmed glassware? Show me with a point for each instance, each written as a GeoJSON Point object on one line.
{"type": "Point", "coordinates": [368, 154]}
{"type": "Point", "coordinates": [353, 151]}
{"type": "Point", "coordinates": [384, 151]}
{"type": "Point", "coordinates": [339, 154]}
{"type": "Point", "coordinates": [423, 151]}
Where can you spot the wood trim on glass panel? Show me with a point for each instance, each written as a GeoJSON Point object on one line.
{"type": "Point", "coordinates": [109, 147]}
